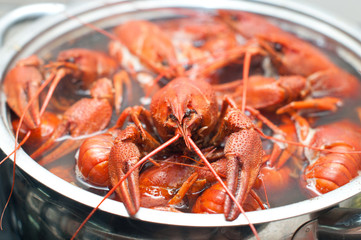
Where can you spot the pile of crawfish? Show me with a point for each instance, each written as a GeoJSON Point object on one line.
{"type": "Point", "coordinates": [234, 113]}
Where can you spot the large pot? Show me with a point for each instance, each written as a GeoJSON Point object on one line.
{"type": "Point", "coordinates": [45, 206]}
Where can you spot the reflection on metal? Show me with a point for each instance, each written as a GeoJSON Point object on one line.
{"type": "Point", "coordinates": [27, 12]}
{"type": "Point", "coordinates": [340, 223]}
{"type": "Point", "coordinates": [307, 231]}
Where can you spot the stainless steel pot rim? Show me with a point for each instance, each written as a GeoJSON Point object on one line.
{"type": "Point", "coordinates": [12, 50]}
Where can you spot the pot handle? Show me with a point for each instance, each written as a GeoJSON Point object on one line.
{"type": "Point", "coordinates": [27, 12]}
{"type": "Point", "coordinates": [337, 223]}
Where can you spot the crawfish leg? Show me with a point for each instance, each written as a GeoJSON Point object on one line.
{"type": "Point", "coordinates": [326, 104]}
{"type": "Point", "coordinates": [20, 86]}
{"type": "Point", "coordinates": [120, 79]}
{"type": "Point", "coordinates": [183, 190]}
{"type": "Point", "coordinates": [139, 115]}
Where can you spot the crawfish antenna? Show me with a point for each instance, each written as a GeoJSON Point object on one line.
{"type": "Point", "coordinates": [246, 66]}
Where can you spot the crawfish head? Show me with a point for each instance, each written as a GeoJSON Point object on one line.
{"type": "Point", "coordinates": [292, 55]}
{"type": "Point", "coordinates": [184, 107]}
{"type": "Point", "coordinates": [85, 64]}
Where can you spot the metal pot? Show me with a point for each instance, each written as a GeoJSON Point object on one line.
{"type": "Point", "coordinates": [44, 206]}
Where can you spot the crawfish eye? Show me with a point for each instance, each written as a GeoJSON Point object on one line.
{"type": "Point", "coordinates": [234, 17]}
{"type": "Point", "coordinates": [189, 112]}
{"type": "Point", "coordinates": [171, 116]}
{"type": "Point", "coordinates": [70, 60]}
{"type": "Point", "coordinates": [278, 47]}
{"type": "Point", "coordinates": [187, 66]}
{"type": "Point", "coordinates": [165, 63]}
{"type": "Point", "coordinates": [198, 43]}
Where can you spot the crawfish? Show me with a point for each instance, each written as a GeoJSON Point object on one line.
{"type": "Point", "coordinates": [24, 82]}
{"type": "Point", "coordinates": [186, 109]}
{"type": "Point", "coordinates": [76, 120]}
{"type": "Point", "coordinates": [332, 153]}
{"type": "Point", "coordinates": [329, 170]}
{"type": "Point", "coordinates": [197, 38]}
{"type": "Point", "coordinates": [280, 95]}
{"type": "Point", "coordinates": [293, 56]}
{"type": "Point", "coordinates": [290, 54]}
{"type": "Point", "coordinates": [168, 51]}
{"type": "Point", "coordinates": [149, 43]}
{"type": "Point", "coordinates": [92, 161]}
{"type": "Point", "coordinates": [85, 66]}
{"type": "Point", "coordinates": [20, 84]}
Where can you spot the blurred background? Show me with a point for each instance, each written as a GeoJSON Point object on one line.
{"type": "Point", "coordinates": [347, 9]}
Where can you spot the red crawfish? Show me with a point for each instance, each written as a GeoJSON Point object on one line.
{"type": "Point", "coordinates": [292, 56]}
{"type": "Point", "coordinates": [87, 66]}
{"type": "Point", "coordinates": [187, 110]}
{"type": "Point", "coordinates": [337, 165]}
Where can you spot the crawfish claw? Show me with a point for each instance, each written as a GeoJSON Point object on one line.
{"type": "Point", "coordinates": [123, 156]}
{"type": "Point", "coordinates": [20, 85]}
{"type": "Point", "coordinates": [243, 165]}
